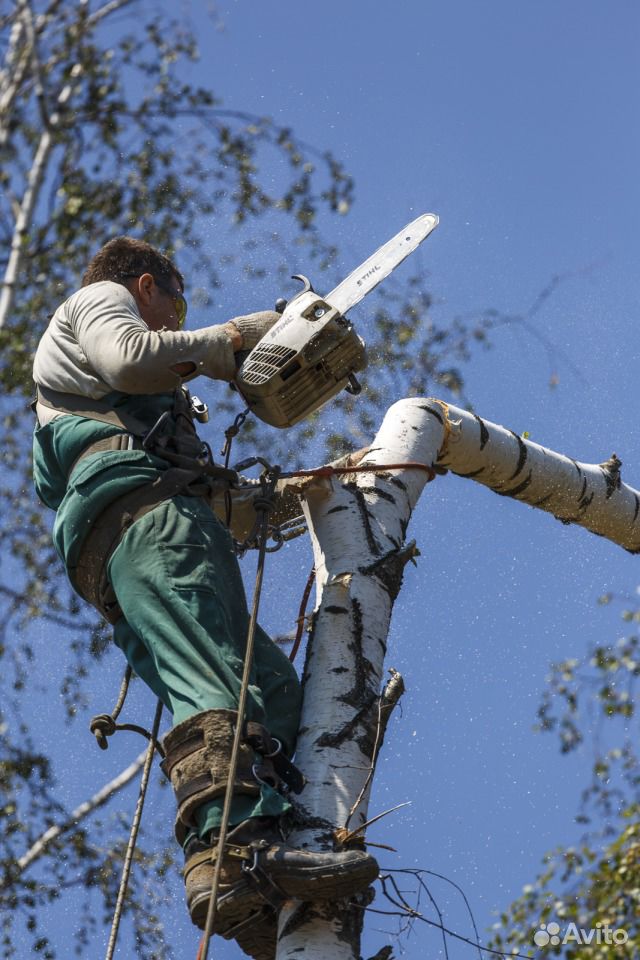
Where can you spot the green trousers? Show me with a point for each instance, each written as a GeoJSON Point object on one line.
{"type": "Point", "coordinates": [184, 629]}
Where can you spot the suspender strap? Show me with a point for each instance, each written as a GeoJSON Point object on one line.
{"type": "Point", "coordinates": [121, 441]}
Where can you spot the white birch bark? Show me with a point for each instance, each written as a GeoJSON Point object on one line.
{"type": "Point", "coordinates": [22, 64]}
{"type": "Point", "coordinates": [358, 526]}
{"type": "Point", "coordinates": [591, 495]}
{"type": "Point", "coordinates": [30, 197]}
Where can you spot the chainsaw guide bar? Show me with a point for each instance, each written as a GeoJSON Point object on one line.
{"type": "Point", "coordinates": [313, 351]}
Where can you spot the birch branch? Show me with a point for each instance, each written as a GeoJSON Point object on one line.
{"type": "Point", "coordinates": [46, 143]}
{"type": "Point", "coordinates": [590, 495]}
{"type": "Point", "coordinates": [80, 813]}
{"type": "Point", "coordinates": [13, 74]}
{"type": "Point", "coordinates": [30, 197]}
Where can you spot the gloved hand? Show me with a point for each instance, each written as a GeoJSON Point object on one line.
{"type": "Point", "coordinates": [254, 326]}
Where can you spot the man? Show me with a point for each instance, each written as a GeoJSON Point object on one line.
{"type": "Point", "coordinates": [117, 456]}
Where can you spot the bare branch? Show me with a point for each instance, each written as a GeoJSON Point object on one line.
{"type": "Point", "coordinates": [388, 699]}
{"type": "Point", "coordinates": [107, 9]}
{"type": "Point", "coordinates": [21, 600]}
{"type": "Point", "coordinates": [31, 195]}
{"type": "Point", "coordinates": [35, 61]}
{"type": "Point", "coordinates": [80, 812]}
{"type": "Point", "coordinates": [13, 74]}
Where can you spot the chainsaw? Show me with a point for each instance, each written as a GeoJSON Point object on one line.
{"type": "Point", "coordinates": [312, 352]}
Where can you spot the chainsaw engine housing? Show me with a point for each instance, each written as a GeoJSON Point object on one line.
{"type": "Point", "coordinates": [306, 358]}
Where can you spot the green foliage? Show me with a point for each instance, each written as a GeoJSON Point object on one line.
{"type": "Point", "coordinates": [599, 880]}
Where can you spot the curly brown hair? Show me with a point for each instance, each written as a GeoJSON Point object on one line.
{"type": "Point", "coordinates": [125, 257]}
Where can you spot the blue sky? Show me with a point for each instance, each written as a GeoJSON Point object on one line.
{"type": "Point", "coordinates": [516, 122]}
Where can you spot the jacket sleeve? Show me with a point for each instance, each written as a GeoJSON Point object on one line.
{"type": "Point", "coordinates": [131, 358]}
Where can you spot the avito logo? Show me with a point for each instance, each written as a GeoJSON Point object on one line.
{"type": "Point", "coordinates": [550, 934]}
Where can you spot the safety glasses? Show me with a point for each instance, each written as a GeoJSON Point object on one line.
{"type": "Point", "coordinates": [179, 301]}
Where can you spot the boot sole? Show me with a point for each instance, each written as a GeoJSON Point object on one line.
{"type": "Point", "coordinates": [305, 883]}
{"type": "Point", "coordinates": [240, 905]}
{"type": "Point", "coordinates": [317, 883]}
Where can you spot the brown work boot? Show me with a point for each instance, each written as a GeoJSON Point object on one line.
{"type": "Point", "coordinates": [260, 871]}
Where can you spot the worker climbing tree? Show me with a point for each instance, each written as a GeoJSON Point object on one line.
{"type": "Point", "coordinates": [117, 455]}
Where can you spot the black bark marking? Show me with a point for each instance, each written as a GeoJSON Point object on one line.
{"type": "Point", "coordinates": [363, 668]}
{"type": "Point", "coordinates": [586, 503]}
{"type": "Point", "coordinates": [338, 508]}
{"type": "Point", "coordinates": [583, 491]}
{"type": "Point", "coordinates": [435, 413]}
{"type": "Point", "coordinates": [310, 650]}
{"type": "Point", "coordinates": [397, 482]}
{"type": "Point", "coordinates": [299, 818]}
{"type": "Point", "coordinates": [484, 433]}
{"type": "Point", "coordinates": [522, 455]}
{"type": "Point", "coordinates": [388, 570]}
{"type": "Point", "coordinates": [383, 494]}
{"type": "Point", "coordinates": [363, 509]}
{"type": "Point", "coordinates": [348, 731]}
{"type": "Point", "coordinates": [635, 512]}
{"type": "Point", "coordinates": [474, 473]}
{"type": "Point", "coordinates": [567, 521]}
{"type": "Point", "coordinates": [350, 923]}
{"type": "Point", "coordinates": [339, 670]}
{"type": "Point", "coordinates": [516, 490]}
{"type": "Point", "coordinates": [543, 500]}
{"type": "Point", "coordinates": [335, 609]}
{"type": "Point", "coordinates": [302, 914]}
{"type": "Point", "coordinates": [359, 696]}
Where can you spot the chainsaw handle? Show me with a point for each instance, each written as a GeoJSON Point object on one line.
{"type": "Point", "coordinates": [281, 303]}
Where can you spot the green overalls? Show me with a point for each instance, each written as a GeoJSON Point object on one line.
{"type": "Point", "coordinates": [178, 584]}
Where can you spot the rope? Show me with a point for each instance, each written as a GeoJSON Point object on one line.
{"type": "Point", "coordinates": [263, 505]}
{"type": "Point", "coordinates": [104, 724]}
{"type": "Point", "coordinates": [133, 835]}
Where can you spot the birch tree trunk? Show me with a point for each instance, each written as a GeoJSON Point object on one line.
{"type": "Point", "coordinates": [358, 528]}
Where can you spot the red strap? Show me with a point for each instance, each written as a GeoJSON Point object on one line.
{"type": "Point", "coordinates": [329, 471]}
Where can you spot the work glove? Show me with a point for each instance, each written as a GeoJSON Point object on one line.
{"type": "Point", "coordinates": [254, 326]}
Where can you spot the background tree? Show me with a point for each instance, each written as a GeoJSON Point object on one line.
{"type": "Point", "coordinates": [592, 702]}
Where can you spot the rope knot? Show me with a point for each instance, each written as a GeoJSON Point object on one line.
{"type": "Point", "coordinates": [101, 727]}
